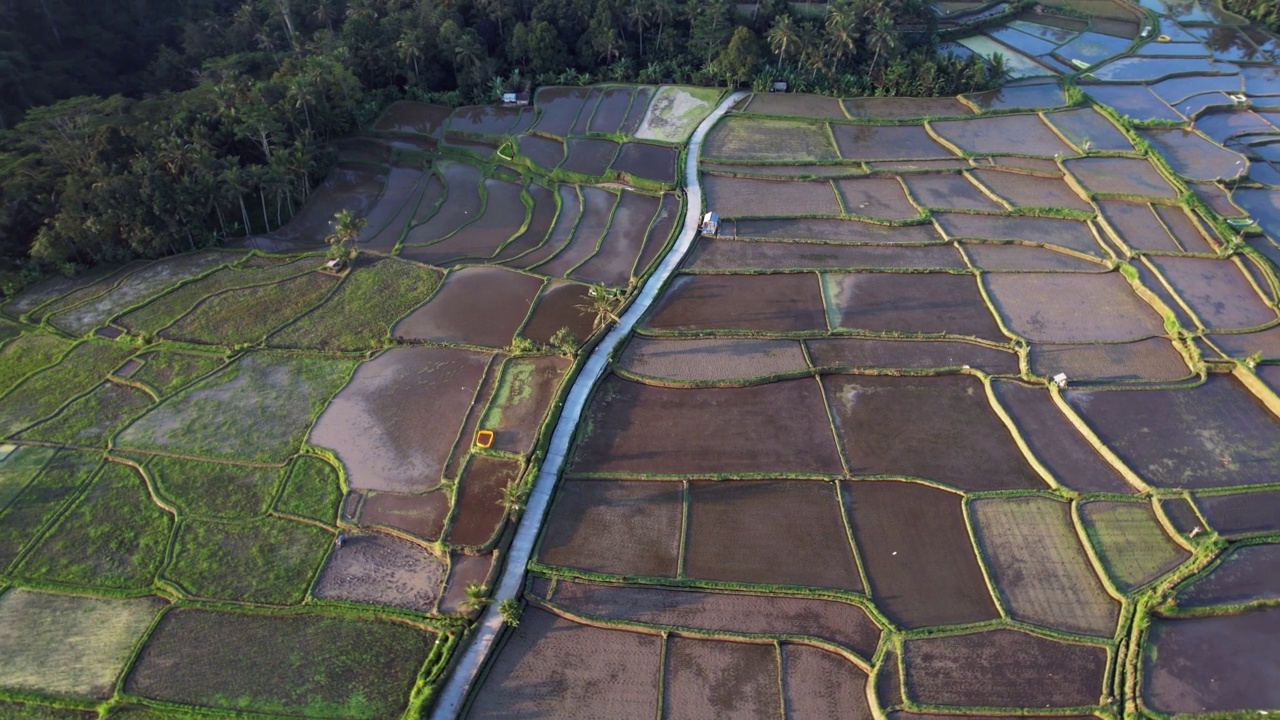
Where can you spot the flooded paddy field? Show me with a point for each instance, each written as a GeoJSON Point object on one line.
{"type": "Point", "coordinates": [967, 409]}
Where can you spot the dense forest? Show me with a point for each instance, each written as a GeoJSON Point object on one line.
{"type": "Point", "coordinates": [143, 127]}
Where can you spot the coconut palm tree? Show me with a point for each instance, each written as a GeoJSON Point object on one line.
{"type": "Point", "coordinates": [781, 36]}
{"type": "Point", "coordinates": [346, 230]}
{"type": "Point", "coordinates": [602, 304]}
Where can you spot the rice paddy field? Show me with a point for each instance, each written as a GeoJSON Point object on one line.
{"type": "Point", "coordinates": [969, 408]}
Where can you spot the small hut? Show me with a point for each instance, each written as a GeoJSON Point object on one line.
{"type": "Point", "coordinates": [710, 224]}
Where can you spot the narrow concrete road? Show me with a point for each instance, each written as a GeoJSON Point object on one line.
{"type": "Point", "coordinates": [511, 582]}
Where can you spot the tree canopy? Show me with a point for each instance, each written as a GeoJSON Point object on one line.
{"type": "Point", "coordinates": [151, 126]}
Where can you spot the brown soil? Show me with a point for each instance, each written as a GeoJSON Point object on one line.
{"type": "Point", "coordinates": [463, 570]}
{"type": "Point", "coordinates": [590, 156]}
{"type": "Point", "coordinates": [896, 166]}
{"type": "Point", "coordinates": [779, 303]}
{"type": "Point", "coordinates": [831, 230]}
{"type": "Point", "coordinates": [559, 305]}
{"type": "Point", "coordinates": [1265, 342]}
{"type": "Point", "coordinates": [915, 547]}
{"type": "Point", "coordinates": [886, 142]}
{"type": "Point", "coordinates": [483, 119]}
{"type": "Point", "coordinates": [737, 534]}
{"type": "Point", "coordinates": [1074, 308]}
{"type": "Point", "coordinates": [616, 527]}
{"type": "Point", "coordinates": [1039, 567]}
{"type": "Point", "coordinates": [128, 369]}
{"type": "Point", "coordinates": [795, 105]}
{"type": "Point", "coordinates": [422, 516]}
{"type": "Point", "coordinates": [876, 197]}
{"type": "Point", "coordinates": [1246, 574]}
{"type": "Point", "coordinates": [995, 135]}
{"type": "Point", "coordinates": [888, 687]}
{"type": "Point", "coordinates": [635, 115]}
{"type": "Point", "coordinates": [1055, 442]}
{"type": "Point", "coordinates": [1070, 234]}
{"type": "Point", "coordinates": [951, 191]}
{"type": "Point", "coordinates": [464, 445]}
{"type": "Point", "coordinates": [1216, 435]}
{"type": "Point", "coordinates": [598, 207]}
{"type": "Point", "coordinates": [414, 117]}
{"type": "Point", "coordinates": [817, 683]}
{"type": "Point", "coordinates": [708, 678]}
{"type": "Point", "coordinates": [1032, 95]}
{"type": "Point", "coordinates": [938, 428]}
{"type": "Point", "coordinates": [1081, 125]}
{"type": "Point", "coordinates": [505, 214]}
{"type": "Point", "coordinates": [611, 110]}
{"type": "Point", "coordinates": [461, 204]}
{"type": "Point", "coordinates": [841, 623]}
{"type": "Point", "coordinates": [1032, 191]}
{"type": "Point", "coordinates": [551, 667]}
{"type": "Point", "coordinates": [345, 188]}
{"type": "Point", "coordinates": [559, 107]}
{"type": "Point", "coordinates": [1003, 668]}
{"type": "Point", "coordinates": [897, 108]}
{"type": "Point", "coordinates": [648, 162]}
{"type": "Point", "coordinates": [1136, 226]}
{"type": "Point", "coordinates": [1194, 156]}
{"type": "Point", "coordinates": [716, 254]}
{"type": "Point", "coordinates": [1188, 232]}
{"type": "Point", "coordinates": [614, 263]}
{"type": "Point", "coordinates": [1216, 290]}
{"type": "Point", "coordinates": [580, 126]}
{"type": "Point", "coordinates": [382, 570]}
{"type": "Point", "coordinates": [561, 230]}
{"type": "Point", "coordinates": [474, 306]}
{"type": "Point", "coordinates": [660, 235]}
{"type": "Point", "coordinates": [1216, 198]}
{"type": "Point", "coordinates": [1044, 166]}
{"type": "Point", "coordinates": [478, 513]}
{"type": "Point", "coordinates": [776, 428]}
{"type": "Point", "coordinates": [1182, 516]}
{"type": "Point", "coordinates": [913, 303]}
{"type": "Point", "coordinates": [995, 257]}
{"type": "Point", "coordinates": [540, 221]}
{"type": "Point", "coordinates": [1152, 360]}
{"type": "Point", "coordinates": [393, 426]}
{"type": "Point", "coordinates": [711, 358]}
{"type": "Point", "coordinates": [848, 353]}
{"type": "Point", "coordinates": [1213, 664]}
{"type": "Point", "coordinates": [534, 383]}
{"type": "Point", "coordinates": [1131, 176]}
{"type": "Point", "coordinates": [546, 153]}
{"type": "Point", "coordinates": [751, 197]}
{"type": "Point", "coordinates": [1242, 514]}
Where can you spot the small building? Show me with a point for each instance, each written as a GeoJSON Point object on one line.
{"type": "Point", "coordinates": [779, 86]}
{"type": "Point", "coordinates": [710, 224]}
{"type": "Point", "coordinates": [512, 97]}
{"type": "Point", "coordinates": [1060, 380]}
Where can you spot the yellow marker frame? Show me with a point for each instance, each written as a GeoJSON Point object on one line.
{"type": "Point", "coordinates": [484, 438]}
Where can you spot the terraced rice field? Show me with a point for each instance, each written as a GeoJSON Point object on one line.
{"type": "Point", "coordinates": [969, 410]}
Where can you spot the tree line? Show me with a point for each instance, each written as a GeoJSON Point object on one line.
{"type": "Point", "coordinates": [136, 128]}
{"type": "Point", "coordinates": [1262, 12]}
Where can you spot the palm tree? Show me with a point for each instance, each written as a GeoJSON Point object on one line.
{"type": "Point", "coordinates": [346, 230]}
{"type": "Point", "coordinates": [602, 304]}
{"type": "Point", "coordinates": [883, 37]}
{"type": "Point", "coordinates": [234, 186]}
{"type": "Point", "coordinates": [782, 35]}
{"type": "Point", "coordinates": [638, 14]}
{"type": "Point", "coordinates": [409, 49]}
{"type": "Point", "coordinates": [324, 13]}
{"type": "Point", "coordinates": [842, 31]}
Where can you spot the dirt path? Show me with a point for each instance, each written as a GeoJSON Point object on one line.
{"type": "Point", "coordinates": [512, 579]}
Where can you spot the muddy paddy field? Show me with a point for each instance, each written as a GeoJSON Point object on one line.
{"type": "Point", "coordinates": [968, 410]}
{"type": "Point", "coordinates": [994, 387]}
{"type": "Point", "coordinates": [261, 486]}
